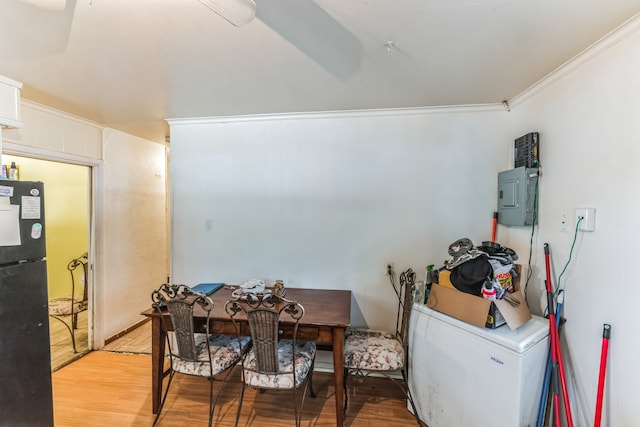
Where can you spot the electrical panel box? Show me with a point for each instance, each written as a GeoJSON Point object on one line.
{"type": "Point", "coordinates": [516, 196]}
{"type": "Point", "coordinates": [526, 151]}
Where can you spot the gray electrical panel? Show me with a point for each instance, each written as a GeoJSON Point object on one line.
{"type": "Point", "coordinates": [516, 196]}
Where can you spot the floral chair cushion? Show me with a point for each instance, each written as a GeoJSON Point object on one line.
{"type": "Point", "coordinates": [62, 306]}
{"type": "Point", "coordinates": [304, 356]}
{"type": "Point", "coordinates": [372, 350]}
{"type": "Point", "coordinates": [224, 353]}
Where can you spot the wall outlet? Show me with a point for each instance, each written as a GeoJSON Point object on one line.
{"type": "Point", "coordinates": [586, 217]}
{"type": "Point", "coordinates": [389, 264]}
{"type": "Point", "coordinates": [564, 223]}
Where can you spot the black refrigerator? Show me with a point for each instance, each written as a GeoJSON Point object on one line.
{"type": "Point", "coordinates": [25, 355]}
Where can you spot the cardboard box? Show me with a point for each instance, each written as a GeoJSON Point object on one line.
{"type": "Point", "coordinates": [445, 298]}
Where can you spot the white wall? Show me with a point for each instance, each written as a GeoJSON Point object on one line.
{"type": "Point", "coordinates": [588, 116]}
{"type": "Point", "coordinates": [323, 201]}
{"type": "Point", "coordinates": [132, 227]}
{"type": "Point", "coordinates": [48, 130]}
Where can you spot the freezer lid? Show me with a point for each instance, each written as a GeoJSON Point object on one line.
{"type": "Point", "coordinates": [524, 337]}
{"type": "Point", "coordinates": [518, 340]}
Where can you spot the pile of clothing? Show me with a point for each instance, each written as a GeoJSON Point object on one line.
{"type": "Point", "coordinates": [486, 270]}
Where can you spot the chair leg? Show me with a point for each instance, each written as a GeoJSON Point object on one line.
{"type": "Point", "coordinates": [296, 412]}
{"type": "Point", "coordinates": [311, 391]}
{"type": "Point", "coordinates": [164, 398]}
{"type": "Point", "coordinates": [413, 407]}
{"type": "Point", "coordinates": [405, 376]}
{"type": "Point", "coordinates": [70, 329]}
{"type": "Point", "coordinates": [306, 386]}
{"type": "Point", "coordinates": [240, 403]}
{"type": "Point", "coordinates": [214, 400]}
{"type": "Point", "coordinates": [345, 395]}
{"type": "Point", "coordinates": [211, 404]}
{"type": "Point", "coordinates": [73, 341]}
{"type": "Point", "coordinates": [404, 386]}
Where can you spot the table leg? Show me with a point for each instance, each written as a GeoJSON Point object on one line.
{"type": "Point", "coordinates": [338, 372]}
{"type": "Point", "coordinates": [158, 336]}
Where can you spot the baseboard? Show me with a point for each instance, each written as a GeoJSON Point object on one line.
{"type": "Point", "coordinates": [126, 331]}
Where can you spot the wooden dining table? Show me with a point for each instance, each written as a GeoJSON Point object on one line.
{"type": "Point", "coordinates": [327, 315]}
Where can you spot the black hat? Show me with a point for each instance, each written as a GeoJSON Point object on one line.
{"type": "Point", "coordinates": [470, 275]}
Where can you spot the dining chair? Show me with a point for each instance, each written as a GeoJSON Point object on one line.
{"type": "Point", "coordinates": [274, 363]}
{"type": "Point", "coordinates": [369, 351]}
{"type": "Point", "coordinates": [65, 309]}
{"type": "Point", "coordinates": [192, 351]}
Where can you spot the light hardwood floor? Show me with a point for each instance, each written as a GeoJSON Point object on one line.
{"type": "Point", "coordinates": [137, 340]}
{"type": "Point", "coordinates": [112, 387]}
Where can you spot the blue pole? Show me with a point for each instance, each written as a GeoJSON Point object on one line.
{"type": "Point", "coordinates": [547, 373]}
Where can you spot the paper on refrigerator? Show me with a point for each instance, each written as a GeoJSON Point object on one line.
{"type": "Point", "coordinates": [9, 223]}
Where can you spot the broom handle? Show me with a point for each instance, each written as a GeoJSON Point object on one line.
{"type": "Point", "coordinates": [547, 374]}
{"type": "Point", "coordinates": [494, 227]}
{"type": "Point", "coordinates": [606, 333]}
{"type": "Point", "coordinates": [555, 341]}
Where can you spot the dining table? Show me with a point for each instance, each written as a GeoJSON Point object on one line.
{"type": "Point", "coordinates": [327, 313]}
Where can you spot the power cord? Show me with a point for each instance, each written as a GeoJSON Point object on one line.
{"type": "Point", "coordinates": [573, 244]}
{"type": "Point", "coordinates": [557, 288]}
{"type": "Point", "coordinates": [392, 278]}
{"type": "Point", "coordinates": [533, 228]}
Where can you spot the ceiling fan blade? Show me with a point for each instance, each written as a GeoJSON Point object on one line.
{"type": "Point", "coordinates": [312, 30]}
{"type": "Point", "coordinates": [53, 5]}
{"type": "Point", "coordinates": [45, 32]}
{"type": "Point", "coordinates": [237, 12]}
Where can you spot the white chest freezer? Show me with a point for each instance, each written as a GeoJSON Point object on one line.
{"type": "Point", "coordinates": [464, 376]}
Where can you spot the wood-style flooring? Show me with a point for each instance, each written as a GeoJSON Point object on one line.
{"type": "Point", "coordinates": [112, 387]}
{"type": "Point", "coordinates": [138, 340]}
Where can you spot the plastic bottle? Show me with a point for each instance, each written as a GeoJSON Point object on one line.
{"type": "Point", "coordinates": [428, 280]}
{"type": "Point", "coordinates": [13, 172]}
{"type": "Point", "coordinates": [417, 296]}
{"type": "Point", "coordinates": [489, 291]}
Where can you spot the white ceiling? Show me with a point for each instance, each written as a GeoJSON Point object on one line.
{"type": "Point", "coordinates": [130, 64]}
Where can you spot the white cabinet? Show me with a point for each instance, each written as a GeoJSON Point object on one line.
{"type": "Point", "coordinates": [10, 103]}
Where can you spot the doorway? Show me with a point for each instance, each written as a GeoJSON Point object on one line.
{"type": "Point", "coordinates": [67, 207]}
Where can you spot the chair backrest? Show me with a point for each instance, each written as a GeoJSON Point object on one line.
{"type": "Point", "coordinates": [81, 261]}
{"type": "Point", "coordinates": [405, 302]}
{"type": "Point", "coordinates": [179, 301]}
{"type": "Point", "coordinates": [263, 313]}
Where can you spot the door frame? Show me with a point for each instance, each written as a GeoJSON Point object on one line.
{"type": "Point", "coordinates": [95, 330]}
